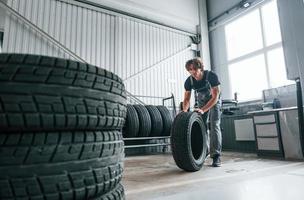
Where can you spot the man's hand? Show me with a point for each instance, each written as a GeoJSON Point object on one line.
{"type": "Point", "coordinates": [199, 110]}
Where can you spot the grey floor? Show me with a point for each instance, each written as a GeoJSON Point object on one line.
{"type": "Point", "coordinates": [241, 177]}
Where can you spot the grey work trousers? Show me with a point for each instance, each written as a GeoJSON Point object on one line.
{"type": "Point", "coordinates": [214, 133]}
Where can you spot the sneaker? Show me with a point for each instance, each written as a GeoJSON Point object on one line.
{"type": "Point", "coordinates": [216, 161]}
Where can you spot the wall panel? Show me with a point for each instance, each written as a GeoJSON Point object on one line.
{"type": "Point", "coordinates": [86, 32]}
{"type": "Point", "coordinates": [151, 60]}
{"type": "Point", "coordinates": [148, 57]}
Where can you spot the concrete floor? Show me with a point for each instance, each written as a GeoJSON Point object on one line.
{"type": "Point", "coordinates": [241, 177]}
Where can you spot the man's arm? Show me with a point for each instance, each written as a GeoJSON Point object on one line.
{"type": "Point", "coordinates": [215, 92]}
{"type": "Point", "coordinates": [186, 102]}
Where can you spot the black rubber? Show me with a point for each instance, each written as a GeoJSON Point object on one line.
{"type": "Point", "coordinates": [156, 121]}
{"type": "Point", "coordinates": [189, 141]}
{"type": "Point", "coordinates": [167, 120]}
{"type": "Point", "coordinates": [144, 120]}
{"type": "Point", "coordinates": [116, 194]}
{"type": "Point", "coordinates": [60, 165]}
{"type": "Point", "coordinates": [39, 93]}
{"type": "Point", "coordinates": [131, 127]}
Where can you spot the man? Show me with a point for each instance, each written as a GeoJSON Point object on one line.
{"type": "Point", "coordinates": [206, 88]}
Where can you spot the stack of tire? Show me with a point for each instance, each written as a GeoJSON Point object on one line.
{"type": "Point", "coordinates": [60, 129]}
{"type": "Point", "coordinates": [147, 121]}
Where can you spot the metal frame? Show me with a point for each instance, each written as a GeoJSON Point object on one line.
{"type": "Point", "coordinates": [164, 143]}
{"type": "Point", "coordinates": [163, 138]}
{"type": "Point", "coordinates": [173, 103]}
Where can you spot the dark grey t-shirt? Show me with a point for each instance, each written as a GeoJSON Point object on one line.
{"type": "Point", "coordinates": [202, 87]}
{"type": "Point", "coordinates": [212, 79]}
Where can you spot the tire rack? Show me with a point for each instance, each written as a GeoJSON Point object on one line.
{"type": "Point", "coordinates": [162, 142]}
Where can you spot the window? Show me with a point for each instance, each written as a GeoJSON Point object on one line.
{"type": "Point", "coordinates": [244, 35]}
{"type": "Point", "coordinates": [254, 51]}
{"type": "Point", "coordinates": [244, 76]}
{"type": "Point", "coordinates": [271, 23]}
{"type": "Point", "coordinates": [276, 67]}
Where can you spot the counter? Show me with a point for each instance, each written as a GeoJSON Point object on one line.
{"type": "Point", "coordinates": [277, 132]}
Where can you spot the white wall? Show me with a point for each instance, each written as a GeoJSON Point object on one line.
{"type": "Point", "coordinates": [2, 19]}
{"type": "Point", "coordinates": [291, 14]}
{"type": "Point", "coordinates": [218, 7]}
{"type": "Point", "coordinates": [203, 29]}
{"type": "Point", "coordinates": [219, 60]}
{"type": "Point", "coordinates": [182, 14]}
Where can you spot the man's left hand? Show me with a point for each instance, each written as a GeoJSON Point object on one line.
{"type": "Point", "coordinates": [199, 110]}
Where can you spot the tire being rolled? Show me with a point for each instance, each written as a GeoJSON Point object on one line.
{"type": "Point", "coordinates": [189, 141]}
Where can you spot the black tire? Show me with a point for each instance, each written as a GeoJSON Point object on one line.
{"type": "Point", "coordinates": [39, 93]}
{"type": "Point", "coordinates": [116, 194]}
{"type": "Point", "coordinates": [189, 141]}
{"type": "Point", "coordinates": [60, 165]}
{"type": "Point", "coordinates": [156, 121]}
{"type": "Point", "coordinates": [131, 127]}
{"type": "Point", "coordinates": [167, 120]}
{"type": "Point", "coordinates": [144, 120]}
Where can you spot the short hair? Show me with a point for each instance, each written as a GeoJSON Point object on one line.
{"type": "Point", "coordinates": [196, 62]}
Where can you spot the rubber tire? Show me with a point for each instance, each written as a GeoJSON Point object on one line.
{"type": "Point", "coordinates": [131, 127]}
{"type": "Point", "coordinates": [189, 141]}
{"type": "Point", "coordinates": [156, 121]}
{"type": "Point", "coordinates": [167, 120]}
{"type": "Point", "coordinates": [144, 120]}
{"type": "Point", "coordinates": [60, 165]}
{"type": "Point", "coordinates": [39, 93]}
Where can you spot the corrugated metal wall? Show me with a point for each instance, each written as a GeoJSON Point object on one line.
{"type": "Point", "coordinates": [88, 33]}
{"type": "Point", "coordinates": [150, 58]}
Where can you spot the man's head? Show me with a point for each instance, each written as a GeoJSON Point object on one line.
{"type": "Point", "coordinates": [195, 64]}
{"type": "Point", "coordinates": [195, 67]}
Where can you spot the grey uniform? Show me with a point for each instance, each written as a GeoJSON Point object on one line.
{"type": "Point", "coordinates": [202, 93]}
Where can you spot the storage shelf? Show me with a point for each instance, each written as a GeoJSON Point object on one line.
{"type": "Point", "coordinates": [161, 142]}
{"type": "Point", "coordinates": [147, 145]}
{"type": "Point", "coordinates": [146, 138]}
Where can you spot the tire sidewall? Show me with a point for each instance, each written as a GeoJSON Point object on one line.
{"type": "Point", "coordinates": [195, 117]}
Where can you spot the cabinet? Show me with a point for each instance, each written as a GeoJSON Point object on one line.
{"type": "Point", "coordinates": [267, 133]}
{"type": "Point", "coordinates": [232, 136]}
